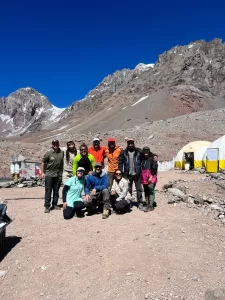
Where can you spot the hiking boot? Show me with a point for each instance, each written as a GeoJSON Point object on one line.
{"type": "Point", "coordinates": [147, 208]}
{"type": "Point", "coordinates": [47, 210]}
{"type": "Point", "coordinates": [105, 214]}
{"type": "Point", "coordinates": [140, 206]}
{"type": "Point", "coordinates": [55, 207]}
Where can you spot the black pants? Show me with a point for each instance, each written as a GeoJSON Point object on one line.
{"type": "Point", "coordinates": [69, 211]}
{"type": "Point", "coordinates": [137, 182]}
{"type": "Point", "coordinates": [149, 190]}
{"type": "Point", "coordinates": [52, 184]}
{"type": "Point", "coordinates": [100, 201]}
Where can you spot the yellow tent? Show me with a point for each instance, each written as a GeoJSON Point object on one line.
{"type": "Point", "coordinates": [219, 155]}
{"type": "Point", "coordinates": [198, 148]}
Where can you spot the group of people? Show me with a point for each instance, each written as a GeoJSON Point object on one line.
{"type": "Point", "coordinates": [88, 187]}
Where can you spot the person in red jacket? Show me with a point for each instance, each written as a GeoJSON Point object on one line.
{"type": "Point", "coordinates": [97, 151]}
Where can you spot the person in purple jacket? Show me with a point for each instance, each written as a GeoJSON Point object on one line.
{"type": "Point", "coordinates": [96, 191]}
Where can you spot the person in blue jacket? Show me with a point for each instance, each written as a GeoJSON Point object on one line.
{"type": "Point", "coordinates": [96, 191]}
{"type": "Point", "coordinates": [71, 194]}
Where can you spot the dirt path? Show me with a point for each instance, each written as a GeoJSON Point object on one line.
{"type": "Point", "coordinates": [171, 253]}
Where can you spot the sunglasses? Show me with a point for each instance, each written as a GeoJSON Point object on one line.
{"type": "Point", "coordinates": [118, 174]}
{"type": "Point", "coordinates": [80, 171]}
{"type": "Point", "coordinates": [97, 167]}
{"type": "Point", "coordinates": [55, 144]}
{"type": "Point", "coordinates": [82, 150]}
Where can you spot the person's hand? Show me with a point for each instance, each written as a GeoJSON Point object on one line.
{"type": "Point", "coordinates": [150, 179]}
{"type": "Point", "coordinates": [155, 158]}
{"type": "Point", "coordinates": [86, 198]}
{"type": "Point", "coordinates": [90, 172]}
{"type": "Point", "coordinates": [93, 192]}
{"type": "Point", "coordinates": [113, 193]}
{"type": "Point", "coordinates": [64, 205]}
{"type": "Point", "coordinates": [43, 176]}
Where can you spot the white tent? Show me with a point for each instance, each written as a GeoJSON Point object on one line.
{"type": "Point", "coordinates": [220, 145]}
{"type": "Point", "coordinates": [198, 148]}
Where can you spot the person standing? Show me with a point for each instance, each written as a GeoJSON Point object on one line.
{"type": "Point", "coordinates": [51, 171]}
{"type": "Point", "coordinates": [130, 163]}
{"type": "Point", "coordinates": [72, 200]}
{"type": "Point", "coordinates": [84, 160]}
{"type": "Point", "coordinates": [112, 153]}
{"type": "Point", "coordinates": [96, 191]}
{"type": "Point", "coordinates": [149, 177]}
{"type": "Point", "coordinates": [69, 155]}
{"type": "Point", "coordinates": [97, 151]}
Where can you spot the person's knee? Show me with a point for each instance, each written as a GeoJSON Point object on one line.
{"type": "Point", "coordinates": [105, 192]}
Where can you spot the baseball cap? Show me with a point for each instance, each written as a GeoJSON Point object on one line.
{"type": "Point", "coordinates": [81, 169]}
{"type": "Point", "coordinates": [130, 140]}
{"type": "Point", "coordinates": [96, 140]}
{"type": "Point", "coordinates": [98, 164]}
{"type": "Point", "coordinates": [111, 140]}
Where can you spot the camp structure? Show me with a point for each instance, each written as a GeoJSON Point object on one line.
{"type": "Point", "coordinates": [191, 155]}
{"type": "Point", "coordinates": [215, 155]}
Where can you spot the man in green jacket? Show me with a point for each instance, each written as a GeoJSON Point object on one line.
{"type": "Point", "coordinates": [51, 171]}
{"type": "Point", "coordinates": [84, 160]}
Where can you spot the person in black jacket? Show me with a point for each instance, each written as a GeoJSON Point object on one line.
{"type": "Point", "coordinates": [130, 162]}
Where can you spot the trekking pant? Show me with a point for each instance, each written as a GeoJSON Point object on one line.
{"type": "Point", "coordinates": [98, 200]}
{"type": "Point", "coordinates": [52, 184]}
{"type": "Point", "coordinates": [69, 211]}
{"type": "Point", "coordinates": [149, 190]}
{"type": "Point", "coordinates": [137, 182]}
{"type": "Point", "coordinates": [122, 206]}
{"type": "Point", "coordinates": [66, 176]}
{"type": "Point", "coordinates": [110, 179]}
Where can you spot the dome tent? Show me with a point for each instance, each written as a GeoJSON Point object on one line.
{"type": "Point", "coordinates": [198, 148]}
{"type": "Point", "coordinates": [220, 145]}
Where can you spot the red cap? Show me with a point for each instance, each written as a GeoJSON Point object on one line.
{"type": "Point", "coordinates": [111, 140]}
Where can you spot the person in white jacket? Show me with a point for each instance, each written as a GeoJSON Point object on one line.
{"type": "Point", "coordinates": [119, 193]}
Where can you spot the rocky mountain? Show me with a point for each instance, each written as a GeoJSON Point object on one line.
{"type": "Point", "coordinates": [26, 110]}
{"type": "Point", "coordinates": [185, 79]}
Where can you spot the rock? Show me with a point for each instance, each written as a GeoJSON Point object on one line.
{"type": "Point", "coordinates": [20, 185]}
{"type": "Point", "coordinates": [129, 274]}
{"type": "Point", "coordinates": [151, 137]}
{"type": "Point", "coordinates": [216, 175]}
{"type": "Point", "coordinates": [146, 296]}
{"type": "Point", "coordinates": [176, 192]}
{"type": "Point", "coordinates": [182, 188]}
{"type": "Point", "coordinates": [215, 207]}
{"type": "Point", "coordinates": [3, 273]}
{"type": "Point", "coordinates": [167, 186]}
{"type": "Point", "coordinates": [218, 294]}
{"type": "Point", "coordinates": [221, 216]}
{"type": "Point", "coordinates": [5, 185]}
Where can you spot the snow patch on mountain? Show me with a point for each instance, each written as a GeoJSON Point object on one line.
{"type": "Point", "coordinates": [140, 100]}
{"type": "Point", "coordinates": [144, 67]}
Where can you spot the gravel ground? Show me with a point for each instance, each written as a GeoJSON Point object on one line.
{"type": "Point", "coordinates": [173, 252]}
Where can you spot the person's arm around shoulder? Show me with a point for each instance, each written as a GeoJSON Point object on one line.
{"type": "Point", "coordinates": [87, 183]}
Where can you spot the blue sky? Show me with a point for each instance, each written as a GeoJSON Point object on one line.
{"type": "Point", "coordinates": [65, 48]}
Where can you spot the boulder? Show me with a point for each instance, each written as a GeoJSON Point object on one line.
{"type": "Point", "coordinates": [20, 185]}
{"type": "Point", "coordinates": [5, 185]}
{"type": "Point", "coordinates": [215, 207]}
{"type": "Point", "coordinates": [176, 192]}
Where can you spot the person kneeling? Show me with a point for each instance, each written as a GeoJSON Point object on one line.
{"type": "Point", "coordinates": [96, 191]}
{"type": "Point", "coordinates": [119, 193]}
{"type": "Point", "coordinates": [71, 194]}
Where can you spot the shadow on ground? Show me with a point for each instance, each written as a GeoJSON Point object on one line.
{"type": "Point", "coordinates": [9, 244]}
